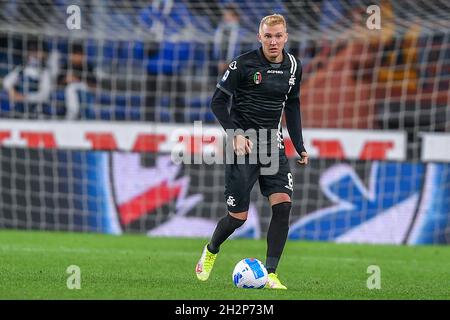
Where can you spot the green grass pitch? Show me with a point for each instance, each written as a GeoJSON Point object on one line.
{"type": "Point", "coordinates": [33, 266]}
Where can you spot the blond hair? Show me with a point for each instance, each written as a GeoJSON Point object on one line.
{"type": "Point", "coordinates": [272, 20]}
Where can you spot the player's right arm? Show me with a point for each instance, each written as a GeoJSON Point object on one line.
{"type": "Point", "coordinates": [220, 101]}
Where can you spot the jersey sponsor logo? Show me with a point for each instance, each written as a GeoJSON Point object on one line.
{"type": "Point", "coordinates": [233, 65]}
{"type": "Point", "coordinates": [231, 201]}
{"type": "Point", "coordinates": [275, 71]}
{"type": "Point", "coordinates": [257, 77]}
{"type": "Point", "coordinates": [225, 76]}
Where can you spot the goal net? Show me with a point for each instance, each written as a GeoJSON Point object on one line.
{"type": "Point", "coordinates": [94, 95]}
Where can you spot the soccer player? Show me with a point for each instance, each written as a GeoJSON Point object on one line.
{"type": "Point", "coordinates": [261, 84]}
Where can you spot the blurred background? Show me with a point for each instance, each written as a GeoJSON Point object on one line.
{"type": "Point", "coordinates": [375, 106]}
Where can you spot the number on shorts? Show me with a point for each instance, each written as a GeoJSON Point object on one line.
{"type": "Point", "coordinates": [290, 180]}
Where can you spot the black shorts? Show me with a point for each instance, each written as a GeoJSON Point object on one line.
{"type": "Point", "coordinates": [240, 178]}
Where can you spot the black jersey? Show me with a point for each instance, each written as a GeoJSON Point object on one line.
{"type": "Point", "coordinates": [260, 89]}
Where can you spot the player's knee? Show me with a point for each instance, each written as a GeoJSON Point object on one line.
{"type": "Point", "coordinates": [279, 197]}
{"type": "Point", "coordinates": [239, 215]}
{"type": "Point", "coordinates": [236, 220]}
{"type": "Point", "coordinates": [281, 212]}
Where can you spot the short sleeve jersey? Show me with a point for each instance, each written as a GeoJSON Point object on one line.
{"type": "Point", "coordinates": [260, 89]}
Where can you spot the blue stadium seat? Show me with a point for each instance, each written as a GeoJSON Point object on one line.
{"type": "Point", "coordinates": [91, 51]}
{"type": "Point", "coordinates": [57, 105]}
{"type": "Point", "coordinates": [62, 46]}
{"type": "Point", "coordinates": [200, 56]}
{"type": "Point", "coordinates": [171, 58]}
{"type": "Point", "coordinates": [5, 106]}
{"type": "Point", "coordinates": [53, 110]}
{"type": "Point", "coordinates": [104, 98]}
{"type": "Point", "coordinates": [119, 106]}
{"type": "Point", "coordinates": [134, 50]}
{"type": "Point", "coordinates": [138, 50]}
{"type": "Point", "coordinates": [164, 115]}
{"type": "Point", "coordinates": [205, 116]}
{"type": "Point", "coordinates": [210, 117]}
{"type": "Point", "coordinates": [108, 50]}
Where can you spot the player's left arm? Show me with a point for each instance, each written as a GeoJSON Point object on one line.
{"type": "Point", "coordinates": [294, 119]}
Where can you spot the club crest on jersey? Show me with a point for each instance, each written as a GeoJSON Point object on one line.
{"type": "Point", "coordinates": [257, 77]}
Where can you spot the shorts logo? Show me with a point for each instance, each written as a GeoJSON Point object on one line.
{"type": "Point", "coordinates": [233, 65]}
{"type": "Point", "coordinates": [230, 201]}
{"type": "Point", "coordinates": [257, 77]}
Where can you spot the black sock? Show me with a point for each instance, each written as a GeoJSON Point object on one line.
{"type": "Point", "coordinates": [277, 234]}
{"type": "Point", "coordinates": [225, 227]}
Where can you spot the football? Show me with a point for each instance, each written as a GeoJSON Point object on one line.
{"type": "Point", "coordinates": [250, 273]}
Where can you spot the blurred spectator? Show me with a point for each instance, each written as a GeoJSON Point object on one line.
{"type": "Point", "coordinates": [227, 40]}
{"type": "Point", "coordinates": [29, 85]}
{"type": "Point", "coordinates": [76, 78]}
